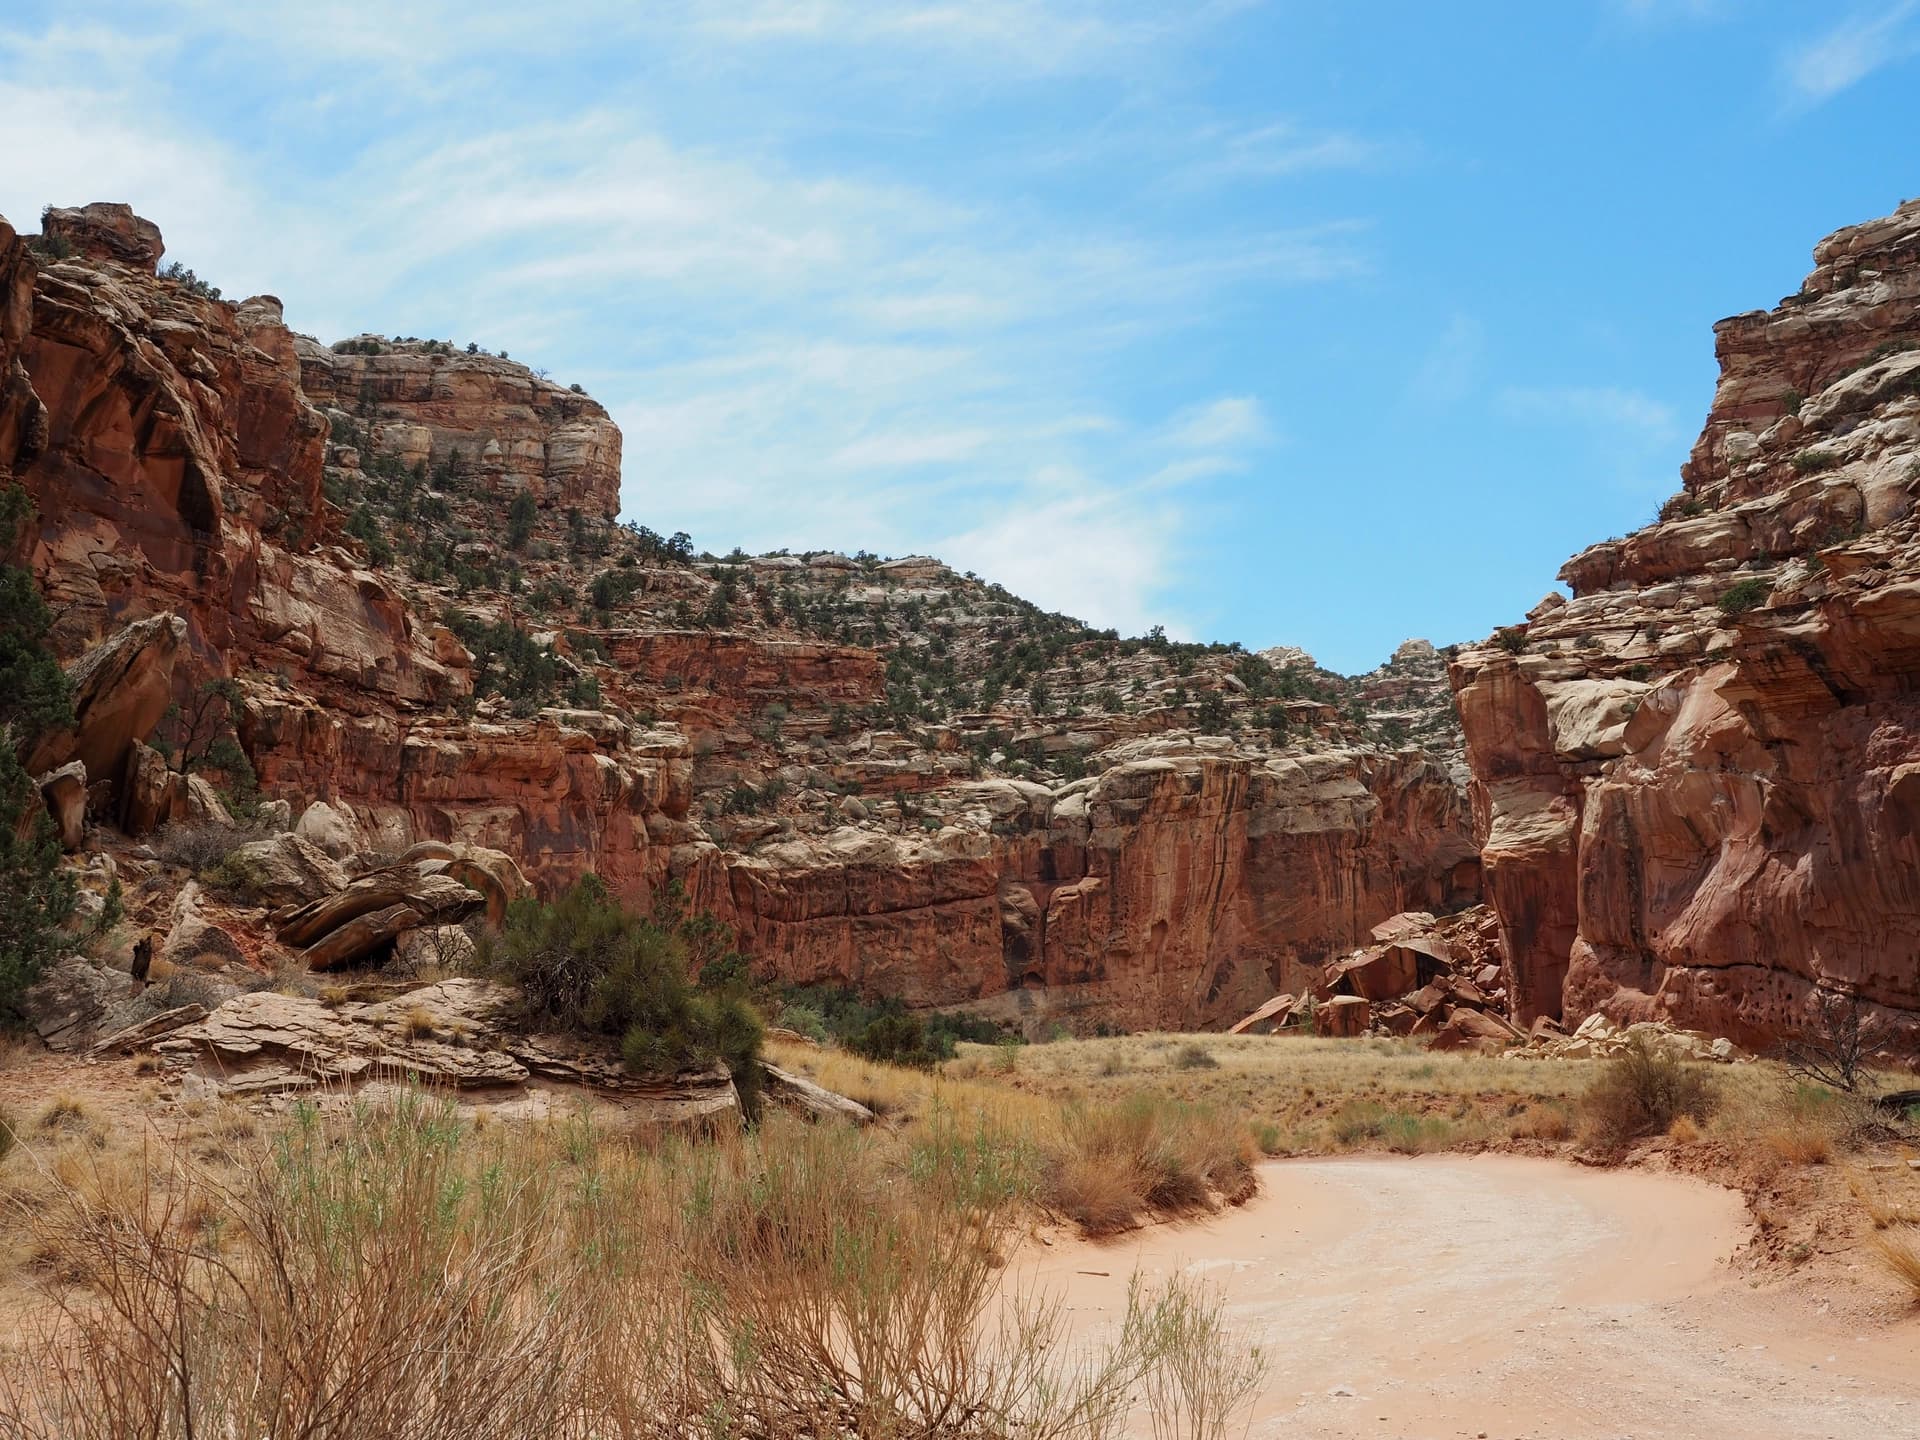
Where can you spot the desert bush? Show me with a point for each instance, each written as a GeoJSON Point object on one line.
{"type": "Point", "coordinates": [1194, 1056]}
{"type": "Point", "coordinates": [203, 847]}
{"type": "Point", "coordinates": [1640, 1092]}
{"type": "Point", "coordinates": [1410, 1134]}
{"type": "Point", "coordinates": [1745, 595]}
{"type": "Point", "coordinates": [883, 1029]}
{"type": "Point", "coordinates": [394, 1272]}
{"type": "Point", "coordinates": [586, 963]}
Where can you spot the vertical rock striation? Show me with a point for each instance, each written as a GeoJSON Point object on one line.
{"type": "Point", "coordinates": [1698, 781]}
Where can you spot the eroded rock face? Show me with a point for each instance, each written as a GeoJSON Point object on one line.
{"type": "Point", "coordinates": [193, 457]}
{"type": "Point", "coordinates": [106, 231]}
{"type": "Point", "coordinates": [1698, 781]}
{"type": "Point", "coordinates": [1181, 886]}
{"type": "Point", "coordinates": [519, 433]}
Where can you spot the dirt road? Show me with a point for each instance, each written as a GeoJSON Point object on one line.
{"type": "Point", "coordinates": [1504, 1297]}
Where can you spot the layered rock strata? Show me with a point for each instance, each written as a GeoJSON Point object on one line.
{"type": "Point", "coordinates": [1698, 780]}
{"type": "Point", "coordinates": [838, 755]}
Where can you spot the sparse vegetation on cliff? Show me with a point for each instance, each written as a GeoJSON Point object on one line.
{"type": "Point", "coordinates": [1745, 595]}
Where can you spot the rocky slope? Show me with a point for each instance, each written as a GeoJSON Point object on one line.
{"type": "Point", "coordinates": [883, 773]}
{"type": "Point", "coordinates": [1698, 781]}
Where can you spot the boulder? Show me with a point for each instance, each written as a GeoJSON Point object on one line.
{"type": "Point", "coordinates": [142, 1033]}
{"type": "Point", "coordinates": [494, 873]}
{"type": "Point", "coordinates": [73, 995]}
{"type": "Point", "coordinates": [284, 869]}
{"type": "Point", "coordinates": [275, 815]}
{"type": "Point", "coordinates": [121, 688]}
{"type": "Point", "coordinates": [106, 230]}
{"type": "Point", "coordinates": [147, 791]}
{"type": "Point", "coordinates": [816, 1102]}
{"type": "Point", "coordinates": [1272, 1015]}
{"type": "Point", "coordinates": [201, 803]}
{"type": "Point", "coordinates": [65, 793]}
{"type": "Point", "coordinates": [372, 912]}
{"type": "Point", "coordinates": [196, 942]}
{"type": "Point", "coordinates": [333, 829]}
{"type": "Point", "coordinates": [1467, 1029]}
{"type": "Point", "coordinates": [1379, 972]}
{"type": "Point", "coordinates": [1342, 1017]}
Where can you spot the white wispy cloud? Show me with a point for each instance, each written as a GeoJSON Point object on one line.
{"type": "Point", "coordinates": [1231, 422]}
{"type": "Point", "coordinates": [1843, 56]}
{"type": "Point", "coordinates": [1624, 411]}
{"type": "Point", "coordinates": [1283, 148]}
{"type": "Point", "coordinates": [1069, 545]}
{"type": "Point", "coordinates": [799, 352]}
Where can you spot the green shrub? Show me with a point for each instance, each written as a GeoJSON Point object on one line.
{"type": "Point", "coordinates": [585, 963]}
{"type": "Point", "coordinates": [884, 1029]}
{"type": "Point", "coordinates": [1641, 1092]}
{"type": "Point", "coordinates": [1745, 595]}
{"type": "Point", "coordinates": [36, 894]}
{"type": "Point", "coordinates": [804, 1020]}
{"type": "Point", "coordinates": [1809, 462]}
{"type": "Point", "coordinates": [520, 516]}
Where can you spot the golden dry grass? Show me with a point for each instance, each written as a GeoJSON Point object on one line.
{"type": "Point", "coordinates": [1883, 1204]}
{"type": "Point", "coordinates": [1899, 1255]}
{"type": "Point", "coordinates": [400, 1271]}
{"type": "Point", "coordinates": [1305, 1095]}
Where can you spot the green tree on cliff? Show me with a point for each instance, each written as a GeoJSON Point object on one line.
{"type": "Point", "coordinates": [520, 517]}
{"type": "Point", "coordinates": [36, 895]}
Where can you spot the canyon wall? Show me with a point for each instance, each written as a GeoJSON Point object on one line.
{"type": "Point", "coordinates": [819, 749]}
{"type": "Point", "coordinates": [1697, 782]}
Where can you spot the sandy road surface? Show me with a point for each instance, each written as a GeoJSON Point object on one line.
{"type": "Point", "coordinates": [1505, 1297]}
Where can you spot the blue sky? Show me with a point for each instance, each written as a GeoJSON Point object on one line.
{"type": "Point", "coordinates": [1320, 324]}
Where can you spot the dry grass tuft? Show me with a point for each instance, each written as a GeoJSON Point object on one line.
{"type": "Point", "coordinates": [1542, 1121]}
{"type": "Point", "coordinates": [1684, 1130]}
{"type": "Point", "coordinates": [1882, 1209]}
{"type": "Point", "coordinates": [65, 1112]}
{"type": "Point", "coordinates": [1105, 1166]}
{"type": "Point", "coordinates": [1899, 1256]}
{"type": "Point", "coordinates": [417, 1023]}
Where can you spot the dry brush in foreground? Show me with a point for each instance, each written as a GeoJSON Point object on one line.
{"type": "Point", "coordinates": [403, 1273]}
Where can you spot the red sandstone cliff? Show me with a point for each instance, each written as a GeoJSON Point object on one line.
{"type": "Point", "coordinates": [1698, 782]}
{"type": "Point", "coordinates": [192, 456]}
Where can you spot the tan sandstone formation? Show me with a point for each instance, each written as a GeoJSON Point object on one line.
{"type": "Point", "coordinates": [1698, 781]}
{"type": "Point", "coordinates": [423, 402]}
